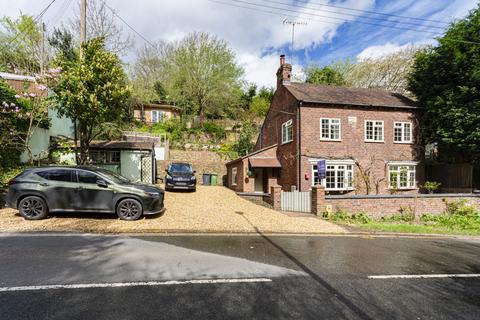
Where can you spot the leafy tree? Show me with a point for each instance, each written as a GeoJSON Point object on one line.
{"type": "Point", "coordinates": [446, 82]}
{"type": "Point", "coordinates": [326, 75]}
{"type": "Point", "coordinates": [266, 93]}
{"type": "Point", "coordinates": [92, 91]}
{"type": "Point", "coordinates": [62, 41]}
{"type": "Point", "coordinates": [244, 144]}
{"type": "Point", "coordinates": [21, 45]}
{"type": "Point", "coordinates": [260, 106]}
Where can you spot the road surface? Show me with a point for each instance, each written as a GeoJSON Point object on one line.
{"type": "Point", "coordinates": [65, 276]}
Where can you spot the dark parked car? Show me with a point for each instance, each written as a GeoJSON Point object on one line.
{"type": "Point", "coordinates": [180, 176]}
{"type": "Point", "coordinates": [37, 191]}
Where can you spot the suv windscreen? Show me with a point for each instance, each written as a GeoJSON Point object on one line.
{"type": "Point", "coordinates": [180, 168]}
{"type": "Point", "coordinates": [57, 175]}
{"type": "Point", "coordinates": [114, 177]}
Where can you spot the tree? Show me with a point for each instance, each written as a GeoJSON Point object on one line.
{"type": "Point", "coordinates": [244, 144]}
{"type": "Point", "coordinates": [102, 23]}
{"type": "Point", "coordinates": [63, 43]}
{"type": "Point", "coordinates": [259, 106]}
{"type": "Point", "coordinates": [21, 45]}
{"type": "Point", "coordinates": [389, 72]}
{"type": "Point", "coordinates": [446, 81]}
{"type": "Point", "coordinates": [202, 72]}
{"type": "Point", "coordinates": [326, 75]}
{"type": "Point", "coordinates": [92, 91]}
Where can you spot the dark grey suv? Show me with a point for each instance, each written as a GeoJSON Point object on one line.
{"type": "Point", "coordinates": [37, 191]}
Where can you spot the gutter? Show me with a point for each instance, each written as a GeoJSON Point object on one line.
{"type": "Point", "coordinates": [359, 105]}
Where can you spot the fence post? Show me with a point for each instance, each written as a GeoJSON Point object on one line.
{"type": "Point", "coordinates": [318, 200]}
{"type": "Point", "coordinates": [275, 194]}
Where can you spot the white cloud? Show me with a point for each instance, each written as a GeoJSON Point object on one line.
{"type": "Point", "coordinates": [374, 52]}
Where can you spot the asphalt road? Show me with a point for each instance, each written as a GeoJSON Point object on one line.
{"type": "Point", "coordinates": [237, 277]}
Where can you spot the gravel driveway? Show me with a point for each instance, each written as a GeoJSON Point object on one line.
{"type": "Point", "coordinates": [210, 209]}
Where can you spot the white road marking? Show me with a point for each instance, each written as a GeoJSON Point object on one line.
{"type": "Point", "coordinates": [131, 284]}
{"type": "Point", "coordinates": [426, 276]}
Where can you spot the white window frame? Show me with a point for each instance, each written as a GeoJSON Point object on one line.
{"type": "Point", "coordinates": [286, 127]}
{"type": "Point", "coordinates": [159, 115]}
{"type": "Point", "coordinates": [410, 168]}
{"type": "Point", "coordinates": [376, 124]}
{"type": "Point", "coordinates": [234, 173]}
{"type": "Point", "coordinates": [330, 125]}
{"type": "Point", "coordinates": [403, 131]}
{"type": "Point", "coordinates": [348, 174]}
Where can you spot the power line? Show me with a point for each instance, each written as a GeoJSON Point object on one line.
{"type": "Point", "coordinates": [311, 14]}
{"type": "Point", "coordinates": [372, 12]}
{"type": "Point", "coordinates": [350, 14]}
{"type": "Point", "coordinates": [128, 25]}
{"type": "Point", "coordinates": [35, 20]}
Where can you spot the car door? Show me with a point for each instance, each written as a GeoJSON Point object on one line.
{"type": "Point", "coordinates": [59, 188]}
{"type": "Point", "coordinates": [90, 195]}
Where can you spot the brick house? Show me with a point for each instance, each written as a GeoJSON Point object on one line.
{"type": "Point", "coordinates": [365, 141]}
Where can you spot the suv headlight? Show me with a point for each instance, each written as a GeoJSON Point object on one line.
{"type": "Point", "coordinates": [193, 178]}
{"type": "Point", "coordinates": [168, 176]}
{"type": "Point", "coordinates": [152, 194]}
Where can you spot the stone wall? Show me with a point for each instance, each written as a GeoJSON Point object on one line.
{"type": "Point", "coordinates": [202, 162]}
{"type": "Point", "coordinates": [378, 206]}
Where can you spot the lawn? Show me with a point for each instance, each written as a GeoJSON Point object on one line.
{"type": "Point", "coordinates": [413, 228]}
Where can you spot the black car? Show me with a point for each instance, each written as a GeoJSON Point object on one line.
{"type": "Point", "coordinates": [37, 191]}
{"type": "Point", "coordinates": [180, 176]}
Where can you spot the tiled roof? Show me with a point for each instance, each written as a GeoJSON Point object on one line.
{"type": "Point", "coordinates": [270, 162]}
{"type": "Point", "coordinates": [324, 94]}
{"type": "Point", "coordinates": [124, 145]}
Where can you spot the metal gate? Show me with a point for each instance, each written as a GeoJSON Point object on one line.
{"type": "Point", "coordinates": [146, 169]}
{"type": "Point", "coordinates": [296, 201]}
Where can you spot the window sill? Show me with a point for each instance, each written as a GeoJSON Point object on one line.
{"type": "Point", "coordinates": [374, 141]}
{"type": "Point", "coordinates": [334, 140]}
{"type": "Point", "coordinates": [401, 142]}
{"type": "Point", "coordinates": [286, 142]}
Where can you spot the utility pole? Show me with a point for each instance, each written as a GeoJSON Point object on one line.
{"type": "Point", "coordinates": [42, 54]}
{"type": "Point", "coordinates": [83, 24]}
{"type": "Point", "coordinates": [293, 23]}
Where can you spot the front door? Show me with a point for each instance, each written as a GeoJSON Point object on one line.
{"type": "Point", "coordinates": [258, 180]}
{"type": "Point", "coordinates": [90, 196]}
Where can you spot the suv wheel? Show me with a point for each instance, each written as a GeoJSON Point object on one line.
{"type": "Point", "coordinates": [129, 209]}
{"type": "Point", "coordinates": [33, 208]}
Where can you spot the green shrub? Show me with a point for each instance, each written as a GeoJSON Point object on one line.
{"type": "Point", "coordinates": [431, 186]}
{"type": "Point", "coordinates": [460, 207]}
{"type": "Point", "coordinates": [362, 217]}
{"type": "Point", "coordinates": [6, 174]}
{"type": "Point", "coordinates": [215, 130]}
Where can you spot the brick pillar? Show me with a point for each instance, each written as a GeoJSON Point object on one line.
{"type": "Point", "coordinates": [275, 194]}
{"type": "Point", "coordinates": [318, 200]}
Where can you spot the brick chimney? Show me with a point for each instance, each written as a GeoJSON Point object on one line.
{"type": "Point", "coordinates": [284, 72]}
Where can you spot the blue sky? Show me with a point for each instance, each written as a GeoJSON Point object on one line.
{"type": "Point", "coordinates": [258, 37]}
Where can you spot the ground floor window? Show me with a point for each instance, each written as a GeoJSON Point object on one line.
{"type": "Point", "coordinates": [338, 176]}
{"type": "Point", "coordinates": [401, 176]}
{"type": "Point", "coordinates": [105, 156]}
{"type": "Point", "coordinates": [234, 176]}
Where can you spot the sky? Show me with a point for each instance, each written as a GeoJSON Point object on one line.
{"type": "Point", "coordinates": [328, 30]}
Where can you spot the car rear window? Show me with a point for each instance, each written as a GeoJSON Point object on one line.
{"type": "Point", "coordinates": [57, 175]}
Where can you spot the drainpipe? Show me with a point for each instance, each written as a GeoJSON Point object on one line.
{"type": "Point", "coordinates": [299, 157]}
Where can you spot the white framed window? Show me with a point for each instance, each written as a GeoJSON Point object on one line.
{"type": "Point", "coordinates": [330, 129]}
{"type": "Point", "coordinates": [402, 176]}
{"type": "Point", "coordinates": [234, 176]}
{"type": "Point", "coordinates": [287, 131]}
{"type": "Point", "coordinates": [338, 176]}
{"type": "Point", "coordinates": [374, 131]}
{"type": "Point", "coordinates": [157, 116]}
{"type": "Point", "coordinates": [402, 132]}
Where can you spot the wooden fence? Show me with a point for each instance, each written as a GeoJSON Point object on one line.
{"type": "Point", "coordinates": [455, 178]}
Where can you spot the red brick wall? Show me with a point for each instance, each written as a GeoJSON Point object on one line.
{"type": "Point", "coordinates": [378, 206]}
{"type": "Point", "coordinates": [352, 144]}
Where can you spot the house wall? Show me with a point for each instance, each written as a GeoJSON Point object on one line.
{"type": "Point", "coordinates": [169, 113]}
{"type": "Point", "coordinates": [370, 155]}
{"type": "Point", "coordinates": [283, 108]}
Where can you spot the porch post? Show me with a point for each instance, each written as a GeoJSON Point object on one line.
{"type": "Point", "coordinates": [318, 199]}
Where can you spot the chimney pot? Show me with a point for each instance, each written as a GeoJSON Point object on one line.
{"type": "Point", "coordinates": [282, 59]}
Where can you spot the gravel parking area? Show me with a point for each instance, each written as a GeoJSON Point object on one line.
{"type": "Point", "coordinates": [210, 209]}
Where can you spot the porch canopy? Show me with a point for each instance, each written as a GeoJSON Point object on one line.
{"type": "Point", "coordinates": [269, 162]}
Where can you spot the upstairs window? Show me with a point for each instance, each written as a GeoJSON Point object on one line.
{"type": "Point", "coordinates": [402, 132]}
{"type": "Point", "coordinates": [330, 129]}
{"type": "Point", "coordinates": [374, 131]}
{"type": "Point", "coordinates": [287, 131]}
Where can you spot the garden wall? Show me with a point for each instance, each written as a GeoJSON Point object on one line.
{"type": "Point", "coordinates": [378, 206]}
{"type": "Point", "coordinates": [202, 162]}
